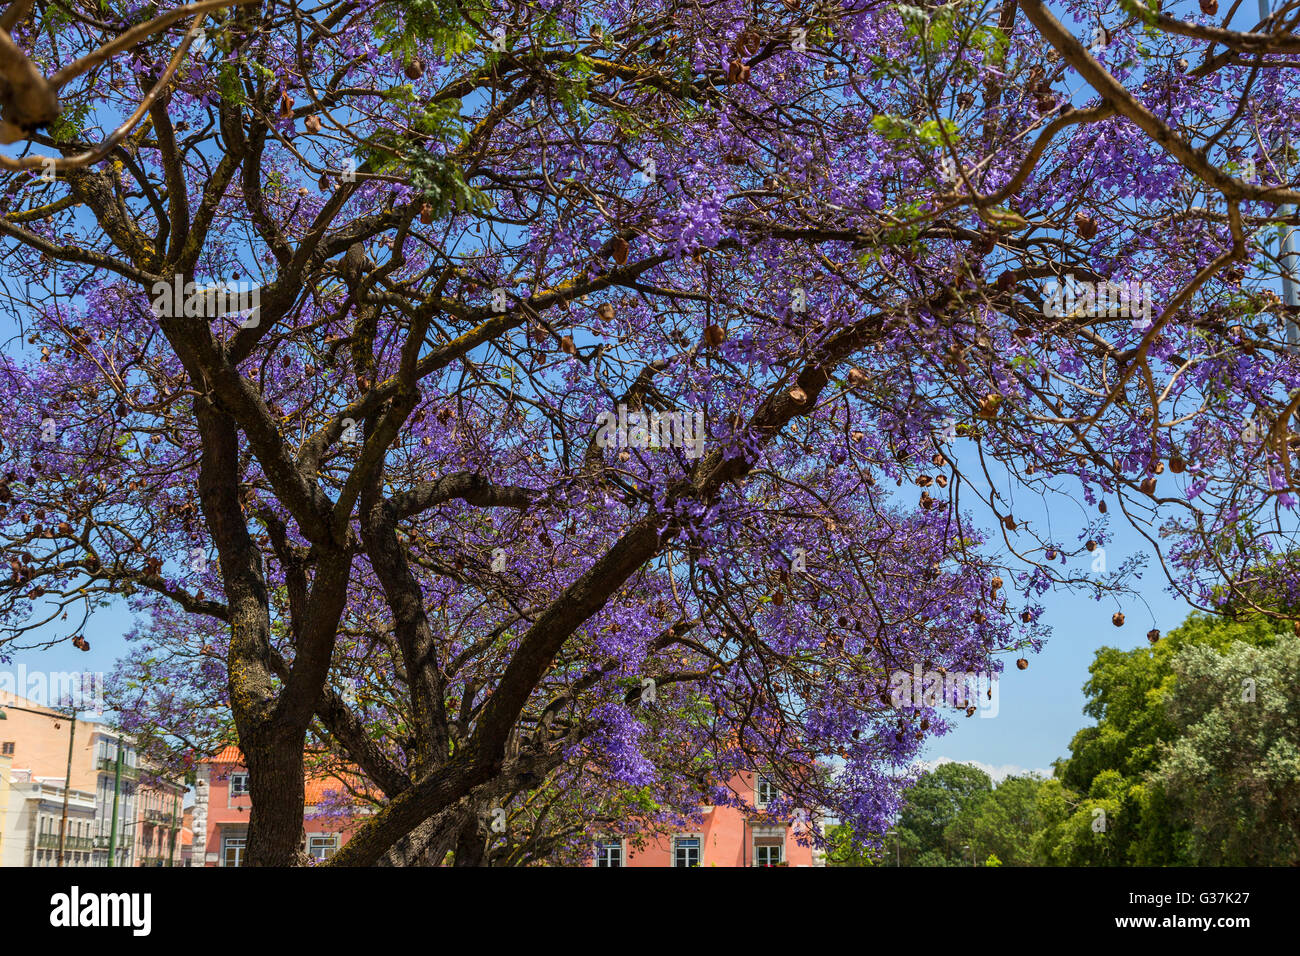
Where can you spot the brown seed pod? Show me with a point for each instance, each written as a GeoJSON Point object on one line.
{"type": "Point", "coordinates": [1085, 225]}
{"type": "Point", "coordinates": [1117, 619]}
{"type": "Point", "coordinates": [938, 460]}
{"type": "Point", "coordinates": [1022, 663]}
{"type": "Point", "coordinates": [619, 250]}
{"type": "Point", "coordinates": [941, 481]}
{"type": "Point", "coordinates": [1101, 506]}
{"type": "Point", "coordinates": [426, 213]}
{"type": "Point", "coordinates": [714, 335]}
{"type": "Point", "coordinates": [414, 68]}
{"type": "Point", "coordinates": [989, 406]}
{"type": "Point", "coordinates": [286, 105]}
{"type": "Point", "coordinates": [1009, 523]}
{"type": "Point", "coordinates": [1148, 485]}
{"type": "Point", "coordinates": [1177, 465]}
{"type": "Point", "coordinates": [312, 123]}
{"type": "Point", "coordinates": [1153, 635]}
{"type": "Point", "coordinates": [737, 71]}
{"type": "Point", "coordinates": [567, 346]}
{"type": "Point", "coordinates": [995, 583]}
{"type": "Point", "coordinates": [1091, 545]}
{"type": "Point", "coordinates": [1027, 617]}
{"type": "Point", "coordinates": [605, 311]}
{"type": "Point", "coordinates": [856, 378]}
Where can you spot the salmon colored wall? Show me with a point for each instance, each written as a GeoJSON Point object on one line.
{"type": "Point", "coordinates": [223, 809]}
{"type": "Point", "coordinates": [727, 837]}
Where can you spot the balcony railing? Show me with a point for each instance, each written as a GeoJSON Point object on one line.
{"type": "Point", "coordinates": [50, 841]}
{"type": "Point", "coordinates": [109, 765]}
{"type": "Point", "coordinates": [158, 816]}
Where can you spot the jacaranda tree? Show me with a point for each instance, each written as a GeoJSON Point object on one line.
{"type": "Point", "coordinates": [553, 407]}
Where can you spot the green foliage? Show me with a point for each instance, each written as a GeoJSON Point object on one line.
{"type": "Point", "coordinates": [1111, 764]}
{"type": "Point", "coordinates": [442, 24]}
{"type": "Point", "coordinates": [1002, 821]}
{"type": "Point", "coordinates": [1233, 766]}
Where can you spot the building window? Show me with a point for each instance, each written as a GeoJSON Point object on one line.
{"type": "Point", "coordinates": [765, 792]}
{"type": "Point", "coordinates": [323, 846]}
{"type": "Point", "coordinates": [7, 748]}
{"type": "Point", "coordinates": [232, 851]}
{"type": "Point", "coordinates": [238, 784]}
{"type": "Point", "coordinates": [609, 853]}
{"type": "Point", "coordinates": [686, 851]}
{"type": "Point", "coordinates": [768, 851]}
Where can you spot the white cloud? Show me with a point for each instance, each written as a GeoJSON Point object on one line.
{"type": "Point", "coordinates": [998, 773]}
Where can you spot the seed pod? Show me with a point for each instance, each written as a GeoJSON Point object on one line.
{"type": "Point", "coordinates": [941, 481]}
{"type": "Point", "coordinates": [1148, 485]}
{"type": "Point", "coordinates": [714, 335]}
{"type": "Point", "coordinates": [605, 311]}
{"type": "Point", "coordinates": [286, 105]}
{"type": "Point", "coordinates": [1177, 465]}
{"type": "Point", "coordinates": [1117, 619]}
{"type": "Point", "coordinates": [856, 378]}
{"type": "Point", "coordinates": [1022, 663]}
{"type": "Point", "coordinates": [414, 69]}
{"type": "Point", "coordinates": [567, 346]}
{"type": "Point", "coordinates": [1209, 7]}
{"type": "Point", "coordinates": [1085, 225]}
{"type": "Point", "coordinates": [312, 123]}
{"type": "Point", "coordinates": [1153, 635]}
{"type": "Point", "coordinates": [995, 583]}
{"type": "Point", "coordinates": [1027, 617]}
{"type": "Point", "coordinates": [1009, 523]}
{"type": "Point", "coordinates": [619, 250]}
{"type": "Point", "coordinates": [737, 72]}
{"type": "Point", "coordinates": [426, 213]}
{"type": "Point", "coordinates": [1101, 506]}
{"type": "Point", "coordinates": [1051, 555]}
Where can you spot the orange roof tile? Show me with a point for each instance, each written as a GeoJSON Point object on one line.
{"type": "Point", "coordinates": [231, 754]}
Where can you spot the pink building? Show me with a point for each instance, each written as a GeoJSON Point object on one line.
{"type": "Point", "coordinates": [727, 837]}
{"type": "Point", "coordinates": [222, 805]}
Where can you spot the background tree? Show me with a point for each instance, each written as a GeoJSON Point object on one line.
{"type": "Point", "coordinates": [1232, 767]}
{"type": "Point", "coordinates": [1111, 764]}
